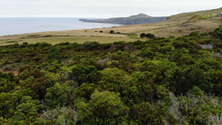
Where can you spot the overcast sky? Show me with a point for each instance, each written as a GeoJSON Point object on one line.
{"type": "Point", "coordinates": [101, 8]}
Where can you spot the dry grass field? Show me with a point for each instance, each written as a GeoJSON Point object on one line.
{"type": "Point", "coordinates": [176, 25]}
{"type": "Point", "coordinates": [71, 39]}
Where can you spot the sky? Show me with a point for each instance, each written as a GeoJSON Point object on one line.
{"type": "Point", "coordinates": [101, 8]}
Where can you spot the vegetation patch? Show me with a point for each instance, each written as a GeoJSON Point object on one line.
{"type": "Point", "coordinates": [11, 41]}
{"type": "Point", "coordinates": [194, 18]}
{"type": "Point", "coordinates": [133, 36]}
{"type": "Point", "coordinates": [34, 36]}
{"type": "Point", "coordinates": [206, 16]}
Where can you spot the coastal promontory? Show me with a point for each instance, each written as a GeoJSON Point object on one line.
{"type": "Point", "coordinates": [134, 19]}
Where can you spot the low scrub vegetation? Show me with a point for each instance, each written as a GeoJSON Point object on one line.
{"type": "Point", "coordinates": [158, 81]}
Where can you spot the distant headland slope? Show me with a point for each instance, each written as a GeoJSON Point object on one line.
{"type": "Point", "coordinates": [134, 19]}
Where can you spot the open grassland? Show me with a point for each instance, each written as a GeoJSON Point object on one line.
{"type": "Point", "coordinates": [71, 39]}
{"type": "Point", "coordinates": [55, 37]}
{"type": "Point", "coordinates": [176, 25]}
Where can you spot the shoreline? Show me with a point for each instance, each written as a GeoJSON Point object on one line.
{"type": "Point", "coordinates": [26, 25]}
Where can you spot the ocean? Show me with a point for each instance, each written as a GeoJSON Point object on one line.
{"type": "Point", "coordinates": [12, 26]}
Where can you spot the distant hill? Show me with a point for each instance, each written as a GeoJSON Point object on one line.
{"type": "Point", "coordinates": [134, 19]}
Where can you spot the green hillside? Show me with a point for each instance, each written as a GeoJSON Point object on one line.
{"type": "Point", "coordinates": [186, 16]}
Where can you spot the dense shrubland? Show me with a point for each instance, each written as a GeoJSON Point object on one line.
{"type": "Point", "coordinates": [159, 81]}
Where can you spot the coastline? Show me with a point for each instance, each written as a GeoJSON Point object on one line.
{"type": "Point", "coordinates": [18, 26]}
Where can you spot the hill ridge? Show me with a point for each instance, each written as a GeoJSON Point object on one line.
{"type": "Point", "coordinates": [131, 20]}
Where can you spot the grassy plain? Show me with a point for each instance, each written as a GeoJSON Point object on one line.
{"type": "Point", "coordinates": [58, 39]}
{"type": "Point", "coordinates": [175, 25]}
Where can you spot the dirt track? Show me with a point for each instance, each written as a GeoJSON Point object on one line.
{"type": "Point", "coordinates": [15, 72]}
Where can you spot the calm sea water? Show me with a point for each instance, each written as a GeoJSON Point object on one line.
{"type": "Point", "coordinates": [11, 26]}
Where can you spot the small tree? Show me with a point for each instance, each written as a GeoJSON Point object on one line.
{"type": "Point", "coordinates": [150, 36]}
{"type": "Point", "coordinates": [111, 31]}
{"type": "Point", "coordinates": [105, 108]}
{"type": "Point", "coordinates": [142, 35]}
{"type": "Point", "coordinates": [218, 33]}
{"type": "Point", "coordinates": [58, 95]}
